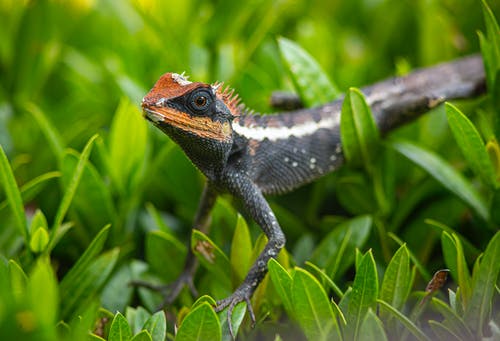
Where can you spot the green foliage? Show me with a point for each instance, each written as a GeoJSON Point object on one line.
{"type": "Point", "coordinates": [93, 197]}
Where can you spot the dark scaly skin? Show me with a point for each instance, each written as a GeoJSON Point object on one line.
{"type": "Point", "coordinates": [249, 155]}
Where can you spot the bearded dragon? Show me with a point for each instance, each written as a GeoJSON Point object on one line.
{"type": "Point", "coordinates": [249, 155]}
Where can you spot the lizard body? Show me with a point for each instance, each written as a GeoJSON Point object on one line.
{"type": "Point", "coordinates": [249, 155]}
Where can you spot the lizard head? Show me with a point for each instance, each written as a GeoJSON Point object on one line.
{"type": "Point", "coordinates": [198, 116]}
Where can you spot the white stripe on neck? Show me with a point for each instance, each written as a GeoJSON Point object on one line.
{"type": "Point", "coordinates": [280, 133]}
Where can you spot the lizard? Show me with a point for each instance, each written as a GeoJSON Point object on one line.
{"type": "Point", "coordinates": [249, 155]}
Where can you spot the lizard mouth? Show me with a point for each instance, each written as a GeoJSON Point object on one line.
{"type": "Point", "coordinates": [203, 127]}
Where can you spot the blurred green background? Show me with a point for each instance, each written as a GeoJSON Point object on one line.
{"type": "Point", "coordinates": [71, 69]}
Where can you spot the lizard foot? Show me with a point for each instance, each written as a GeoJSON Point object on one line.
{"type": "Point", "coordinates": [242, 294]}
{"type": "Point", "coordinates": [169, 291]}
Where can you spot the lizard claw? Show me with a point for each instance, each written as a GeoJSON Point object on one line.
{"type": "Point", "coordinates": [240, 295]}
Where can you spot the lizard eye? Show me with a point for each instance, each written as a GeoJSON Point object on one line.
{"type": "Point", "coordinates": [200, 100]}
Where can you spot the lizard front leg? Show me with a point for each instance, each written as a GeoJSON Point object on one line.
{"type": "Point", "coordinates": [201, 222]}
{"type": "Point", "coordinates": [254, 203]}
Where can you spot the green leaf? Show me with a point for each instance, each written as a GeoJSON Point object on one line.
{"type": "Point", "coordinates": [371, 328]}
{"type": "Point", "coordinates": [241, 251]}
{"type": "Point", "coordinates": [13, 196]}
{"type": "Point", "coordinates": [200, 324]}
{"type": "Point", "coordinates": [321, 275]}
{"type": "Point", "coordinates": [70, 190]}
{"type": "Point", "coordinates": [39, 240]}
{"type": "Point", "coordinates": [71, 278]}
{"type": "Point", "coordinates": [127, 147]}
{"type": "Point", "coordinates": [455, 258]}
{"type": "Point", "coordinates": [312, 308]}
{"type": "Point", "coordinates": [471, 144]}
{"type": "Point", "coordinates": [335, 253]}
{"type": "Point", "coordinates": [412, 328]}
{"type": "Point", "coordinates": [50, 132]}
{"type": "Point", "coordinates": [453, 321]}
{"type": "Point", "coordinates": [491, 47]}
{"type": "Point", "coordinates": [239, 312]}
{"type": "Point", "coordinates": [363, 295]}
{"type": "Point", "coordinates": [442, 332]}
{"type": "Point", "coordinates": [309, 79]}
{"type": "Point", "coordinates": [18, 279]}
{"type": "Point", "coordinates": [282, 282]}
{"type": "Point", "coordinates": [161, 246]}
{"type": "Point", "coordinates": [444, 173]}
{"type": "Point", "coordinates": [484, 280]}
{"type": "Point", "coordinates": [143, 336]}
{"type": "Point", "coordinates": [397, 279]}
{"type": "Point", "coordinates": [87, 282]}
{"type": "Point", "coordinates": [44, 295]}
{"type": "Point", "coordinates": [211, 257]}
{"type": "Point", "coordinates": [137, 318]}
{"type": "Point", "coordinates": [33, 187]}
{"type": "Point", "coordinates": [92, 199]}
{"type": "Point", "coordinates": [156, 326]}
{"type": "Point", "coordinates": [119, 330]}
{"type": "Point", "coordinates": [358, 132]}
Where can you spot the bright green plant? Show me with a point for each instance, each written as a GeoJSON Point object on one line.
{"type": "Point", "coordinates": [92, 198]}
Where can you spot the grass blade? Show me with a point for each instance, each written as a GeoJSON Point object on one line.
{"type": "Point", "coordinates": [13, 196]}
{"type": "Point", "coordinates": [71, 189]}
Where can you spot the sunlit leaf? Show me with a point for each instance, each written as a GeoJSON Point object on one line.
{"type": "Point", "coordinates": [358, 131]}
{"type": "Point", "coordinates": [310, 80]}
{"type": "Point", "coordinates": [200, 324]}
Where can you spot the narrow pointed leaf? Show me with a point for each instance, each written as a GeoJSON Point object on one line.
{"type": "Point", "coordinates": [358, 131]}
{"type": "Point", "coordinates": [310, 80]}
{"type": "Point", "coordinates": [483, 286]}
{"type": "Point", "coordinates": [241, 250]}
{"type": "Point", "coordinates": [372, 328]}
{"type": "Point", "coordinates": [71, 189]}
{"type": "Point", "coordinates": [312, 308]}
{"type": "Point", "coordinates": [282, 282]}
{"type": "Point", "coordinates": [237, 318]}
{"type": "Point", "coordinates": [13, 195]}
{"type": "Point", "coordinates": [444, 173]}
{"type": "Point", "coordinates": [363, 295]}
{"type": "Point", "coordinates": [397, 279]}
{"type": "Point", "coordinates": [471, 144]}
{"type": "Point", "coordinates": [453, 321]}
{"type": "Point", "coordinates": [412, 328]}
{"type": "Point", "coordinates": [442, 331]}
